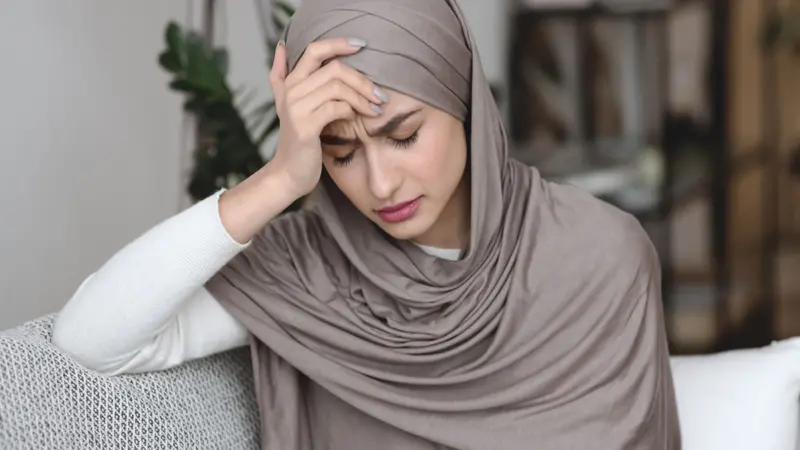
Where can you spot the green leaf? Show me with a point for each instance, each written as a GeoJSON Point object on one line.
{"type": "Point", "coordinates": [202, 70]}
{"type": "Point", "coordinates": [174, 38]}
{"type": "Point", "coordinates": [194, 104]}
{"type": "Point", "coordinates": [182, 85]}
{"type": "Point", "coordinates": [169, 62]}
{"type": "Point", "coordinates": [221, 60]}
{"type": "Point", "coordinates": [173, 35]}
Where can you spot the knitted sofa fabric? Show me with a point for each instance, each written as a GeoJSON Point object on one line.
{"type": "Point", "coordinates": [48, 401]}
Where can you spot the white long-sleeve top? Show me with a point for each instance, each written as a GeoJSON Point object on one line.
{"type": "Point", "coordinates": [147, 309]}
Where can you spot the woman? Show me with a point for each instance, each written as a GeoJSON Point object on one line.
{"type": "Point", "coordinates": [436, 294]}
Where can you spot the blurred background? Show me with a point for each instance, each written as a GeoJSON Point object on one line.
{"type": "Point", "coordinates": [117, 115]}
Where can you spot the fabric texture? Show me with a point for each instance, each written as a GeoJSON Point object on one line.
{"type": "Point", "coordinates": [548, 331]}
{"type": "Point", "coordinates": [49, 402]}
{"type": "Point", "coordinates": [741, 399]}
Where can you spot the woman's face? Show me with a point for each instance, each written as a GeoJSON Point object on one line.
{"type": "Point", "coordinates": [403, 170]}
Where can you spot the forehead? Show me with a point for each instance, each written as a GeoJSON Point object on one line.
{"type": "Point", "coordinates": [398, 103]}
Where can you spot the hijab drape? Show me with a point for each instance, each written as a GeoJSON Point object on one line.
{"type": "Point", "coordinates": [548, 333]}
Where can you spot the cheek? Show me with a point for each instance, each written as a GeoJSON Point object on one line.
{"type": "Point", "coordinates": [439, 160]}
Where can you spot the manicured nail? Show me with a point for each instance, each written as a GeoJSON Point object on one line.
{"type": "Point", "coordinates": [376, 108]}
{"type": "Point", "coordinates": [356, 42]}
{"type": "Point", "coordinates": [381, 95]}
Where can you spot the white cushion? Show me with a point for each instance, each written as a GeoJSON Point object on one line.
{"type": "Point", "coordinates": [740, 399]}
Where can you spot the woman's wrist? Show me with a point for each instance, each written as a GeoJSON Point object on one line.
{"type": "Point", "coordinates": [249, 206]}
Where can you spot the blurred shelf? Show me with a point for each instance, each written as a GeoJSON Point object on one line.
{"type": "Point", "coordinates": [654, 181]}
{"type": "Point", "coordinates": [691, 180]}
{"type": "Point", "coordinates": [693, 321]}
{"type": "Point", "coordinates": [697, 309]}
{"type": "Point", "coordinates": [631, 177]}
{"type": "Point", "coordinates": [749, 160]}
{"type": "Point", "coordinates": [583, 165]}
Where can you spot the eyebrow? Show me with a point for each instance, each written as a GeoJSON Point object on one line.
{"type": "Point", "coordinates": [387, 128]}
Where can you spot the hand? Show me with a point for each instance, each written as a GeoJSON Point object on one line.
{"type": "Point", "coordinates": [320, 90]}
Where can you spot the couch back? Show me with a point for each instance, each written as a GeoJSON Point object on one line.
{"type": "Point", "coordinates": [739, 400]}
{"type": "Point", "coordinates": [47, 401]}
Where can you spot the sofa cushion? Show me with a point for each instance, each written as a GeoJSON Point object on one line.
{"type": "Point", "coordinates": [741, 399]}
{"type": "Point", "coordinates": [47, 401]}
{"type": "Point", "coordinates": [737, 400]}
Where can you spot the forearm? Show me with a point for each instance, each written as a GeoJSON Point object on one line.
{"type": "Point", "coordinates": [136, 294]}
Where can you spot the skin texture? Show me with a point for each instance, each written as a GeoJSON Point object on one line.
{"type": "Point", "coordinates": [411, 150]}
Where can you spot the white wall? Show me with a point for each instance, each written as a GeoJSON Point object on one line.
{"type": "Point", "coordinates": [90, 142]}
{"type": "Point", "coordinates": [91, 151]}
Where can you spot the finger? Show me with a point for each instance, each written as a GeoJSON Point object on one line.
{"type": "Point", "coordinates": [340, 91]}
{"type": "Point", "coordinates": [277, 75]}
{"type": "Point", "coordinates": [331, 112]}
{"type": "Point", "coordinates": [320, 51]}
{"type": "Point", "coordinates": [337, 70]}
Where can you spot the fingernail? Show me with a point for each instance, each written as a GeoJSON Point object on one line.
{"type": "Point", "coordinates": [381, 95]}
{"type": "Point", "coordinates": [356, 42]}
{"type": "Point", "coordinates": [376, 108]}
{"type": "Point", "coordinates": [281, 43]}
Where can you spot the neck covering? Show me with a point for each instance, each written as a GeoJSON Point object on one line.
{"type": "Point", "coordinates": [548, 332]}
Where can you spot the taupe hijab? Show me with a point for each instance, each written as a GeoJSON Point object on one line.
{"type": "Point", "coordinates": [547, 334]}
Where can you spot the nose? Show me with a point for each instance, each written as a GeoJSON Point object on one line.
{"type": "Point", "coordinates": [384, 178]}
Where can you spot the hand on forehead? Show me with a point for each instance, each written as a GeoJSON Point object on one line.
{"type": "Point", "coordinates": [417, 47]}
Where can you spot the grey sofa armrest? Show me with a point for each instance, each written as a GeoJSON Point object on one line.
{"type": "Point", "coordinates": [48, 401]}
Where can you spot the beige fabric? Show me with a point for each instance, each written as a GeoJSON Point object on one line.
{"type": "Point", "coordinates": [547, 333]}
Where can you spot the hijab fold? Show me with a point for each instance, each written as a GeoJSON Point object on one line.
{"type": "Point", "coordinates": [548, 333]}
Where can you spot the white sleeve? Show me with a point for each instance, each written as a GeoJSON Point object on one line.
{"type": "Point", "coordinates": [146, 309]}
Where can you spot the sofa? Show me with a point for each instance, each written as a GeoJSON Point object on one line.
{"type": "Point", "coordinates": [48, 401]}
{"type": "Point", "coordinates": [738, 400]}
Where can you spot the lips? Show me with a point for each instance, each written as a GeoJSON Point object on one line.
{"type": "Point", "coordinates": [399, 212]}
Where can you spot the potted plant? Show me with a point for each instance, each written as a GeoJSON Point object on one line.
{"type": "Point", "coordinates": [231, 131]}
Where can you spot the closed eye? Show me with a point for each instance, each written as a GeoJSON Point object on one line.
{"type": "Point", "coordinates": [407, 142]}
{"type": "Point", "coordinates": [343, 160]}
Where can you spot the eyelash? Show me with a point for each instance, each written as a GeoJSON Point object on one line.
{"type": "Point", "coordinates": [399, 143]}
{"type": "Point", "coordinates": [407, 142]}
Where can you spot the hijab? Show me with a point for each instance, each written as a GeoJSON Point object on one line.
{"type": "Point", "coordinates": [548, 332]}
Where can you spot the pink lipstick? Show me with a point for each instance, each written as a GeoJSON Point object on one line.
{"type": "Point", "coordinates": [399, 212]}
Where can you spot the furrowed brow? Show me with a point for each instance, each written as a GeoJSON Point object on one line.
{"type": "Point", "coordinates": [393, 123]}
{"type": "Point", "coordinates": [385, 129]}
